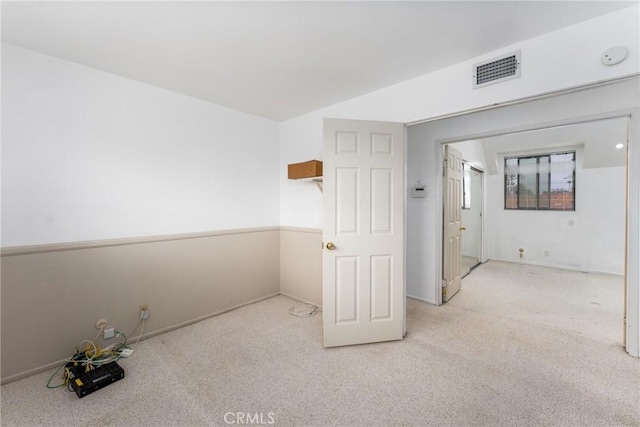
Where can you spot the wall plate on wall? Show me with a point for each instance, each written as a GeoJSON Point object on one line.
{"type": "Point", "coordinates": [418, 190]}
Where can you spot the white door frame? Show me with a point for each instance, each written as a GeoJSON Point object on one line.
{"type": "Point", "coordinates": [632, 249]}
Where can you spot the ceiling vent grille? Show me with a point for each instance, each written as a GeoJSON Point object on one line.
{"type": "Point", "coordinates": [496, 70]}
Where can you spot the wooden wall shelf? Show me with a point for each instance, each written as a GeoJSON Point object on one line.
{"type": "Point", "coordinates": [305, 170]}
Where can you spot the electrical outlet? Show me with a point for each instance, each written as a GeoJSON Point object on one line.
{"type": "Point", "coordinates": [144, 311]}
{"type": "Point", "coordinates": [108, 333]}
{"type": "Point", "coordinates": [101, 324]}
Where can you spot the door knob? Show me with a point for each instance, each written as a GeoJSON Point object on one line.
{"type": "Point", "coordinates": [331, 246]}
{"type": "Point", "coordinates": [463, 228]}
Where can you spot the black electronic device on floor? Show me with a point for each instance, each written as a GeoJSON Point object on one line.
{"type": "Point", "coordinates": [86, 382]}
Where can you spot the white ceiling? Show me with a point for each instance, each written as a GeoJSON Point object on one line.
{"type": "Point", "coordinates": [597, 139]}
{"type": "Point", "coordinates": [281, 59]}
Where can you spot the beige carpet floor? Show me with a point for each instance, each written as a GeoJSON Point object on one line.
{"type": "Point", "coordinates": [518, 346]}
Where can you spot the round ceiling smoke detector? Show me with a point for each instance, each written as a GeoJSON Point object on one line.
{"type": "Point", "coordinates": [614, 56]}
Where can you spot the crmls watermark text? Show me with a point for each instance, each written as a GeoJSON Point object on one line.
{"type": "Point", "coordinates": [247, 418]}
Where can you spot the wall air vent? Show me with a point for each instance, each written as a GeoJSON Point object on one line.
{"type": "Point", "coordinates": [496, 70]}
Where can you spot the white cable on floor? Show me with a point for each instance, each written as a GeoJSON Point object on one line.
{"type": "Point", "coordinates": [141, 332]}
{"type": "Point", "coordinates": [303, 309]}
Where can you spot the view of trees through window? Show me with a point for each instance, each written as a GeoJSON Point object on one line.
{"type": "Point", "coordinates": [543, 182]}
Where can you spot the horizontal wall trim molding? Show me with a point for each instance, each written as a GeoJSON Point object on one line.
{"type": "Point", "coordinates": [70, 246]}
{"type": "Point", "coordinates": [52, 365]}
{"type": "Point", "coordinates": [302, 229]}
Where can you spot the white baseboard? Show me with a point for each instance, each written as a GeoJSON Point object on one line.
{"type": "Point", "coordinates": [299, 299]}
{"type": "Point", "coordinates": [421, 299]}
{"type": "Point", "coordinates": [556, 266]}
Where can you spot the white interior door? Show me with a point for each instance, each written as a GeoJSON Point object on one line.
{"type": "Point", "coordinates": [363, 290]}
{"type": "Point", "coordinates": [452, 241]}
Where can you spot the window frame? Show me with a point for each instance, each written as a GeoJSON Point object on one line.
{"type": "Point", "coordinates": [538, 157]}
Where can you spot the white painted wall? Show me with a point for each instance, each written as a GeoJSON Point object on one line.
{"type": "Point", "coordinates": [88, 155]}
{"type": "Point", "coordinates": [589, 239]}
{"type": "Point", "coordinates": [564, 58]}
{"type": "Point", "coordinates": [300, 200]}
